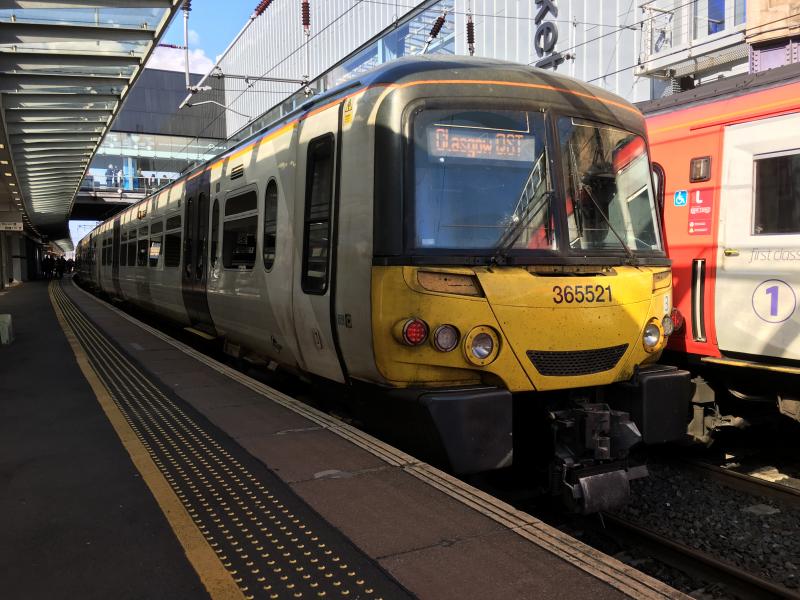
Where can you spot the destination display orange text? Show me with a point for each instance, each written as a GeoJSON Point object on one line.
{"type": "Point", "coordinates": [493, 145]}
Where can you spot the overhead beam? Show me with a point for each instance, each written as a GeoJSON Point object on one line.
{"type": "Point", "coordinates": [20, 100]}
{"type": "Point", "coordinates": [23, 61]}
{"type": "Point", "coordinates": [8, 80]}
{"type": "Point", "coordinates": [25, 33]}
{"type": "Point", "coordinates": [86, 3]}
{"type": "Point", "coordinates": [22, 128]}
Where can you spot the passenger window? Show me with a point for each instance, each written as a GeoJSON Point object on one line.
{"type": "Point", "coordinates": [172, 249]}
{"type": "Point", "coordinates": [155, 251]}
{"type": "Point", "coordinates": [777, 186]}
{"type": "Point", "coordinates": [174, 222]}
{"type": "Point", "coordinates": [239, 233]}
{"type": "Point", "coordinates": [141, 257]}
{"type": "Point", "coordinates": [270, 223]}
{"type": "Point", "coordinates": [316, 230]}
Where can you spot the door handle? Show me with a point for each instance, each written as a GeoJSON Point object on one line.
{"type": "Point", "coordinates": [731, 252]}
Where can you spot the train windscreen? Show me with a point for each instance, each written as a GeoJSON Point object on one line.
{"type": "Point", "coordinates": [608, 188]}
{"type": "Point", "coordinates": [481, 181]}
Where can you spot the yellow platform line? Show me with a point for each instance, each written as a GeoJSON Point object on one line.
{"type": "Point", "coordinates": [217, 580]}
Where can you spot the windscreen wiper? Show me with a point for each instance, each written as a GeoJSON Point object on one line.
{"type": "Point", "coordinates": [588, 189]}
{"type": "Point", "coordinates": [511, 234]}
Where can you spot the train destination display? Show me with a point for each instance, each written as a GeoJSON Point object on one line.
{"type": "Point", "coordinates": [462, 142]}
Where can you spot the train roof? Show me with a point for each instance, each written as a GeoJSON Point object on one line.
{"type": "Point", "coordinates": [724, 88]}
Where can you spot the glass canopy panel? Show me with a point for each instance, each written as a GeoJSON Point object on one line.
{"type": "Point", "coordinates": [62, 73]}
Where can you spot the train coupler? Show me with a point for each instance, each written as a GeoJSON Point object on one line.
{"type": "Point", "coordinates": [592, 443]}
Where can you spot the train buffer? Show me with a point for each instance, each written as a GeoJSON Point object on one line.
{"type": "Point", "coordinates": [136, 467]}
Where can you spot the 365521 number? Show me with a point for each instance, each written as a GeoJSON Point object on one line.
{"type": "Point", "coordinates": [580, 294]}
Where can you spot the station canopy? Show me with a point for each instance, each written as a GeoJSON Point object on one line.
{"type": "Point", "coordinates": [65, 68]}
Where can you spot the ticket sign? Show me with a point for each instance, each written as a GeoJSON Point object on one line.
{"type": "Point", "coordinates": [11, 226]}
{"type": "Point", "coordinates": [701, 210]}
{"type": "Point", "coordinates": [458, 142]}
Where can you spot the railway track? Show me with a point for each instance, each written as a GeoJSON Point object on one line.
{"type": "Point", "coordinates": [701, 565]}
{"type": "Point", "coordinates": [746, 483]}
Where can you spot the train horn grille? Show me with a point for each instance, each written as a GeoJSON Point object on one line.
{"type": "Point", "coordinates": [576, 362]}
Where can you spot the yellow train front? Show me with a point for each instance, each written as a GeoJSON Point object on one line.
{"type": "Point", "coordinates": [520, 292]}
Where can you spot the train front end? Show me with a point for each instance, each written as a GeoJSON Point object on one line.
{"type": "Point", "coordinates": [529, 297]}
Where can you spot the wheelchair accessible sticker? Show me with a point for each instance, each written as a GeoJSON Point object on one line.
{"type": "Point", "coordinates": [681, 198]}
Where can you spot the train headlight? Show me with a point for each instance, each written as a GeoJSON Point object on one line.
{"type": "Point", "coordinates": [445, 338]}
{"type": "Point", "coordinates": [481, 346]}
{"type": "Point", "coordinates": [651, 337]}
{"type": "Point", "coordinates": [668, 325]}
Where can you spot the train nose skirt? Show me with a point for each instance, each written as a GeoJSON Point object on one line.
{"type": "Point", "coordinates": [576, 362]}
{"type": "Point", "coordinates": [269, 540]}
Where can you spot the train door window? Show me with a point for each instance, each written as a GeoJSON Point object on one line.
{"type": "Point", "coordinates": [659, 181]}
{"type": "Point", "coordinates": [123, 252]}
{"type": "Point", "coordinates": [214, 234]}
{"type": "Point", "coordinates": [187, 241]}
{"type": "Point", "coordinates": [239, 231]}
{"type": "Point", "coordinates": [270, 223]}
{"type": "Point", "coordinates": [172, 249]}
{"type": "Point", "coordinates": [202, 236]}
{"type": "Point", "coordinates": [132, 254]}
{"type": "Point", "coordinates": [777, 194]}
{"type": "Point", "coordinates": [316, 229]}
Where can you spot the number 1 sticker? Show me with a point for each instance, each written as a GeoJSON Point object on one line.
{"type": "Point", "coordinates": [774, 301]}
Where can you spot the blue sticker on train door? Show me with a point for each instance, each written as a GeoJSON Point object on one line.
{"type": "Point", "coordinates": [681, 198]}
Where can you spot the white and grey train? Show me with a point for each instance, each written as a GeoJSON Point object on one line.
{"type": "Point", "coordinates": [473, 238]}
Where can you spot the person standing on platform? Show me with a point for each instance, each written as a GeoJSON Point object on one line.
{"type": "Point", "coordinates": [110, 175]}
{"type": "Point", "coordinates": [60, 266]}
{"type": "Point", "coordinates": [121, 178]}
{"type": "Point", "coordinates": [139, 183]}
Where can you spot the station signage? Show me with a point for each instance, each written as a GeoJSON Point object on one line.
{"type": "Point", "coordinates": [546, 36]}
{"type": "Point", "coordinates": [11, 226]}
{"type": "Point", "coordinates": [701, 209]}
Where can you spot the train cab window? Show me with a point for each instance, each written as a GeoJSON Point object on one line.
{"type": "Point", "coordinates": [463, 156]}
{"type": "Point", "coordinates": [316, 230]}
{"type": "Point", "coordinates": [270, 223]}
{"type": "Point", "coordinates": [172, 249]}
{"type": "Point", "coordinates": [777, 195]}
{"type": "Point", "coordinates": [239, 231]}
{"type": "Point", "coordinates": [609, 188]}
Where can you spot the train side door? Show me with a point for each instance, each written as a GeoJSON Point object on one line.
{"type": "Point", "coordinates": [316, 185]}
{"type": "Point", "coordinates": [194, 273]}
{"type": "Point", "coordinates": [758, 278]}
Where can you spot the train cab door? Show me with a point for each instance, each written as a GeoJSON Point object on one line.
{"type": "Point", "coordinates": [314, 286]}
{"type": "Point", "coordinates": [194, 272]}
{"type": "Point", "coordinates": [758, 274]}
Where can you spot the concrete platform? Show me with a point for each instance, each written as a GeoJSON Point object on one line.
{"type": "Point", "coordinates": [411, 530]}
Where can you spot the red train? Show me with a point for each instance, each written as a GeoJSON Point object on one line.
{"type": "Point", "coordinates": [726, 159]}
